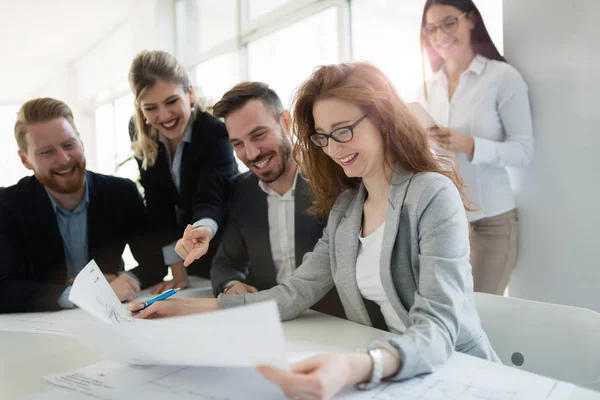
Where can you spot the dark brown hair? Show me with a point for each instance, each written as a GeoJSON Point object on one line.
{"type": "Point", "coordinates": [480, 38]}
{"type": "Point", "coordinates": [240, 94]}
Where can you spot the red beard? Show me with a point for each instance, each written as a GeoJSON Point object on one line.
{"type": "Point", "coordinates": [55, 184]}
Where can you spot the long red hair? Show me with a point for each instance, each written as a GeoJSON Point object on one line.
{"type": "Point", "coordinates": [367, 87]}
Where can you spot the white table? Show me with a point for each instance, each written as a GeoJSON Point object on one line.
{"type": "Point", "coordinates": [26, 358]}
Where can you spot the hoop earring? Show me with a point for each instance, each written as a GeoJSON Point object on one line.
{"type": "Point", "coordinates": [146, 121]}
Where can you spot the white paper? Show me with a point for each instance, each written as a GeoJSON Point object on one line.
{"type": "Point", "coordinates": [46, 323]}
{"type": "Point", "coordinates": [241, 336]}
{"type": "Point", "coordinates": [108, 380]}
{"type": "Point", "coordinates": [59, 393]}
{"type": "Point", "coordinates": [92, 293]}
{"type": "Point", "coordinates": [469, 378]}
{"type": "Point", "coordinates": [462, 378]}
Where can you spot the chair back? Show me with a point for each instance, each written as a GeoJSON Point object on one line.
{"type": "Point", "coordinates": [561, 342]}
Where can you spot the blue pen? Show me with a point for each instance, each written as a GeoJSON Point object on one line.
{"type": "Point", "coordinates": [162, 296]}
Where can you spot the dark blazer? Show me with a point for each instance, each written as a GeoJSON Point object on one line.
{"type": "Point", "coordinates": [207, 171]}
{"type": "Point", "coordinates": [245, 251]}
{"type": "Point", "coordinates": [33, 272]}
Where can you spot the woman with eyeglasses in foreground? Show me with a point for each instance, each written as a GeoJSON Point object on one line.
{"type": "Point", "coordinates": [396, 244]}
{"type": "Point", "coordinates": [481, 105]}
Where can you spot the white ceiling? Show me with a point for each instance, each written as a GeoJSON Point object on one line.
{"type": "Point", "coordinates": [38, 39]}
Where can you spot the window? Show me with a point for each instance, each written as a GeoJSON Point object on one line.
{"type": "Point", "coordinates": [386, 33]}
{"type": "Point", "coordinates": [113, 147]}
{"type": "Point", "coordinates": [258, 8]}
{"type": "Point", "coordinates": [105, 139]}
{"type": "Point", "coordinates": [124, 165]}
{"type": "Point", "coordinates": [203, 25]}
{"type": "Point", "coordinates": [218, 75]}
{"type": "Point", "coordinates": [217, 22]}
{"type": "Point", "coordinates": [284, 59]}
{"type": "Point", "coordinates": [124, 109]}
{"type": "Point", "coordinates": [12, 169]}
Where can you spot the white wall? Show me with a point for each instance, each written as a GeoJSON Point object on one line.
{"type": "Point", "coordinates": [555, 46]}
{"type": "Point", "coordinates": [12, 170]}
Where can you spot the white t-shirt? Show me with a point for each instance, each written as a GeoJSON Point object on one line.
{"type": "Point", "coordinates": [368, 278]}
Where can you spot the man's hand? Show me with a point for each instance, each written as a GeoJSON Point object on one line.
{"type": "Point", "coordinates": [194, 243]}
{"type": "Point", "coordinates": [125, 287]}
{"type": "Point", "coordinates": [180, 280]}
{"type": "Point", "coordinates": [240, 288]}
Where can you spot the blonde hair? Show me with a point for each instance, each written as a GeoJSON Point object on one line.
{"type": "Point", "coordinates": [38, 111]}
{"type": "Point", "coordinates": [146, 69]}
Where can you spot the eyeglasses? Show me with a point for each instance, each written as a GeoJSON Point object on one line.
{"type": "Point", "coordinates": [341, 135]}
{"type": "Point", "coordinates": [448, 25]}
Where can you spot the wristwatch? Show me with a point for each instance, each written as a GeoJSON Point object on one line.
{"type": "Point", "coordinates": [228, 285]}
{"type": "Point", "coordinates": [377, 358]}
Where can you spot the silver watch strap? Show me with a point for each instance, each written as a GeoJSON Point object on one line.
{"type": "Point", "coordinates": [228, 285]}
{"type": "Point", "coordinates": [377, 358]}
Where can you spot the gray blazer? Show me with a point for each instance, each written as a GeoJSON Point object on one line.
{"type": "Point", "coordinates": [425, 271]}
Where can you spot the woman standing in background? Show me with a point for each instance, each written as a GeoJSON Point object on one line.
{"type": "Point", "coordinates": [186, 162]}
{"type": "Point", "coordinates": [481, 106]}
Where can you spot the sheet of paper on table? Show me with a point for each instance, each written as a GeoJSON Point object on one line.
{"type": "Point", "coordinates": [462, 378]}
{"type": "Point", "coordinates": [243, 336]}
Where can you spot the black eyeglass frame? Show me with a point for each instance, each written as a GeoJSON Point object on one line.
{"type": "Point", "coordinates": [316, 136]}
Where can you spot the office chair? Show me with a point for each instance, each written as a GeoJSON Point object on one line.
{"type": "Point", "coordinates": [561, 342]}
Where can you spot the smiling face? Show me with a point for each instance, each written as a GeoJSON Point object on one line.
{"type": "Point", "coordinates": [55, 155]}
{"type": "Point", "coordinates": [260, 140]}
{"type": "Point", "coordinates": [167, 107]}
{"type": "Point", "coordinates": [363, 155]}
{"type": "Point", "coordinates": [452, 38]}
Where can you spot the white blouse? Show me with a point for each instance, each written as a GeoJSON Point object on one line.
{"type": "Point", "coordinates": [491, 104]}
{"type": "Point", "coordinates": [368, 278]}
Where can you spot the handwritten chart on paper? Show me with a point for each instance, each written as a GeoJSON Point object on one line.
{"type": "Point", "coordinates": [105, 304]}
{"type": "Point", "coordinates": [108, 380]}
{"type": "Point", "coordinates": [460, 379]}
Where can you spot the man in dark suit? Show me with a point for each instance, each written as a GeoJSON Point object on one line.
{"type": "Point", "coordinates": [268, 231]}
{"type": "Point", "coordinates": [54, 222]}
